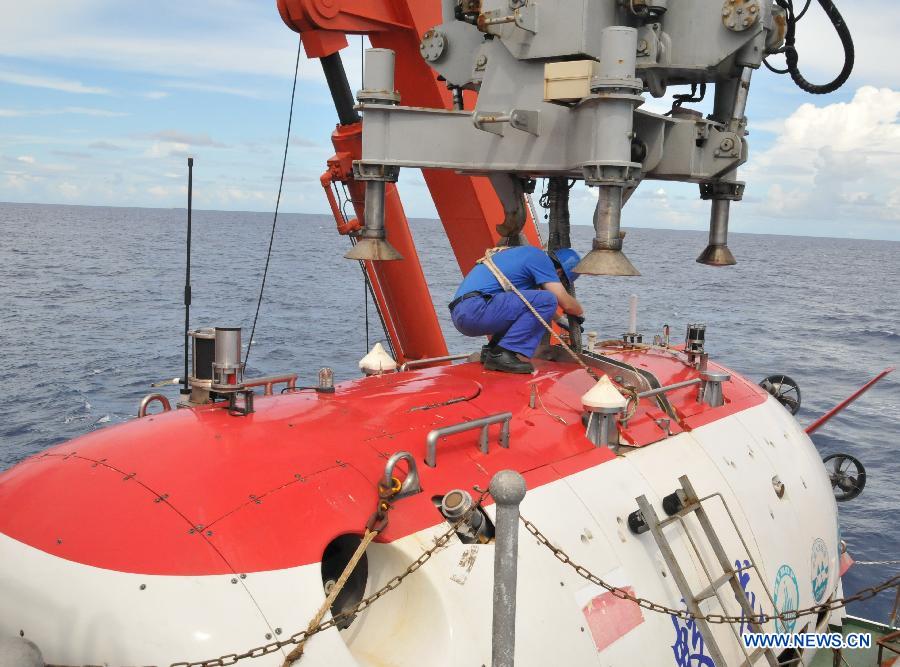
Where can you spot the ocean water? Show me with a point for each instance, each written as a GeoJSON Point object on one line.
{"type": "Point", "coordinates": [91, 314]}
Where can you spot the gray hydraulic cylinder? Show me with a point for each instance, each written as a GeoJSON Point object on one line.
{"type": "Point", "coordinates": [508, 489]}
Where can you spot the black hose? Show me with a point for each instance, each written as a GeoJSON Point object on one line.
{"type": "Point", "coordinates": [790, 51]}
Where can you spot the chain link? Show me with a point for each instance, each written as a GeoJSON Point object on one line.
{"type": "Point", "coordinates": [683, 614]}
{"type": "Point", "coordinates": [365, 603]}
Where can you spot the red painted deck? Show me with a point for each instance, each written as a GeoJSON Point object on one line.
{"type": "Point", "coordinates": [195, 492]}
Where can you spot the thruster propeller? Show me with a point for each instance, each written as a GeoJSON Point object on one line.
{"type": "Point", "coordinates": [847, 474]}
{"type": "Point", "coordinates": [785, 391]}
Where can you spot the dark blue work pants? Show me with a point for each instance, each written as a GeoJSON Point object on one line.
{"type": "Point", "coordinates": [506, 319]}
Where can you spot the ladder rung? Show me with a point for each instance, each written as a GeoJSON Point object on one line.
{"type": "Point", "coordinates": [710, 590]}
{"type": "Point", "coordinates": [755, 655]}
{"type": "Point", "coordinates": [680, 514]}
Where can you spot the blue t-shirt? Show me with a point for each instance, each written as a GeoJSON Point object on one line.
{"type": "Point", "coordinates": [527, 267]}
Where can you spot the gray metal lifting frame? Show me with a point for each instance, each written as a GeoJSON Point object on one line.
{"type": "Point", "coordinates": [559, 89]}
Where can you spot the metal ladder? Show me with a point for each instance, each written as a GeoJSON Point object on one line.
{"type": "Point", "coordinates": [692, 504]}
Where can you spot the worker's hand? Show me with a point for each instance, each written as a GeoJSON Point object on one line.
{"type": "Point", "coordinates": [566, 301]}
{"type": "Point", "coordinates": [579, 320]}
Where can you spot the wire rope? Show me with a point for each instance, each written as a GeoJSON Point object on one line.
{"type": "Point", "coordinates": [287, 141]}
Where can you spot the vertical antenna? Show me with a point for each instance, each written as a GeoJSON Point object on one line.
{"type": "Point", "coordinates": [187, 277]}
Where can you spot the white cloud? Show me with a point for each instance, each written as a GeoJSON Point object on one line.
{"type": "Point", "coordinates": [198, 86]}
{"type": "Point", "coordinates": [838, 161]}
{"type": "Point", "coordinates": [83, 111]}
{"type": "Point", "coordinates": [155, 94]}
{"type": "Point", "coordinates": [27, 159]}
{"type": "Point", "coordinates": [64, 85]}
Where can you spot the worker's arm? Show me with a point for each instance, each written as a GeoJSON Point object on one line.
{"type": "Point", "coordinates": [566, 301]}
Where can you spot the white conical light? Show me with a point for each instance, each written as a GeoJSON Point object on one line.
{"type": "Point", "coordinates": [377, 361]}
{"type": "Point", "coordinates": [604, 396]}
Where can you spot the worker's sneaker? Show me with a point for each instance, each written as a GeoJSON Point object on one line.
{"type": "Point", "coordinates": [506, 361]}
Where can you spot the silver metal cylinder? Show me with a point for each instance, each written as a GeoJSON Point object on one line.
{"type": "Point", "coordinates": [608, 218]}
{"type": "Point", "coordinates": [718, 222]}
{"type": "Point", "coordinates": [228, 347]}
{"type": "Point", "coordinates": [374, 228]}
{"type": "Point", "coordinates": [618, 52]}
{"type": "Point", "coordinates": [378, 78]}
{"type": "Point", "coordinates": [227, 368]}
{"type": "Point", "coordinates": [740, 96]}
{"type": "Point", "coordinates": [508, 489]}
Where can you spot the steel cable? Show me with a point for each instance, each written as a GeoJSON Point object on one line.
{"type": "Point", "coordinates": [287, 141]}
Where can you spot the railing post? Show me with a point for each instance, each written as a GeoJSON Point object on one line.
{"type": "Point", "coordinates": [508, 489]}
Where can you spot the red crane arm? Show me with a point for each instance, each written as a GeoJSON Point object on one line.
{"type": "Point", "coordinates": [468, 206]}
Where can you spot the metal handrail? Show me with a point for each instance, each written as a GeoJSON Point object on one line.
{"type": "Point", "coordinates": [432, 360]}
{"type": "Point", "coordinates": [482, 423]}
{"type": "Point", "coordinates": [153, 398]}
{"type": "Point", "coordinates": [270, 381]}
{"type": "Point", "coordinates": [668, 388]}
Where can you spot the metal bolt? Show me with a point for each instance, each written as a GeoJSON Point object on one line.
{"type": "Point", "coordinates": [243, 576]}
{"type": "Point", "coordinates": [740, 10]}
{"type": "Point", "coordinates": [727, 144]}
{"type": "Point", "coordinates": [234, 580]}
{"type": "Point", "coordinates": [731, 24]}
{"type": "Point", "coordinates": [753, 9]}
{"type": "Point", "coordinates": [143, 587]}
{"type": "Point", "coordinates": [482, 61]}
{"type": "Point", "coordinates": [268, 635]}
{"type": "Point", "coordinates": [747, 20]}
{"type": "Point", "coordinates": [277, 631]}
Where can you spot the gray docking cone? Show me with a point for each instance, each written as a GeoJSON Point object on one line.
{"type": "Point", "coordinates": [717, 255]}
{"type": "Point", "coordinates": [18, 652]}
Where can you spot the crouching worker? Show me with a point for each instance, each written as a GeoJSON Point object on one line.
{"type": "Point", "coordinates": [481, 306]}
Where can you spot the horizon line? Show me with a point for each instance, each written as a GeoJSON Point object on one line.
{"type": "Point", "coordinates": [327, 215]}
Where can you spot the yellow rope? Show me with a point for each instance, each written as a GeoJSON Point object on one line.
{"type": "Point", "coordinates": [297, 653]}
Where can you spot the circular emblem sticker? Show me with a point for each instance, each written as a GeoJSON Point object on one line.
{"type": "Point", "coordinates": [818, 567]}
{"type": "Point", "coordinates": [787, 598]}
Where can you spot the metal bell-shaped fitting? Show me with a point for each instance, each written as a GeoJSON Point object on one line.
{"type": "Point", "coordinates": [374, 250]}
{"type": "Point", "coordinates": [607, 258]}
{"type": "Point", "coordinates": [716, 255]}
{"type": "Point", "coordinates": [378, 361]}
{"type": "Point", "coordinates": [606, 262]}
{"type": "Point", "coordinates": [372, 244]}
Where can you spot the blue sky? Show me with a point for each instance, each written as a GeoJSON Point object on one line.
{"type": "Point", "coordinates": [101, 102]}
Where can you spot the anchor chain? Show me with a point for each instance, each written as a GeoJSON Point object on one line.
{"type": "Point", "coordinates": [685, 615]}
{"type": "Point", "coordinates": [303, 636]}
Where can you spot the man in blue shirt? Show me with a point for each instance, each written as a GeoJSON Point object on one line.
{"type": "Point", "coordinates": [482, 308]}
